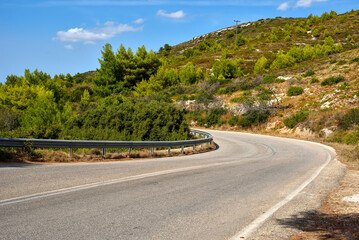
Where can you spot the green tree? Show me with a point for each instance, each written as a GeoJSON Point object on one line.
{"type": "Point", "coordinates": [43, 112]}
{"type": "Point", "coordinates": [147, 87]}
{"type": "Point", "coordinates": [188, 74]}
{"type": "Point", "coordinates": [227, 68]}
{"type": "Point", "coordinates": [261, 65]}
{"type": "Point", "coordinates": [282, 61]}
{"type": "Point", "coordinates": [108, 71]}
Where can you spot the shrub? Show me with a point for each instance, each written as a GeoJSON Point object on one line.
{"type": "Point", "coordinates": [236, 100]}
{"type": "Point", "coordinates": [272, 79]}
{"type": "Point", "coordinates": [229, 35]}
{"type": "Point", "coordinates": [350, 39]}
{"type": "Point", "coordinates": [355, 59]}
{"type": "Point", "coordinates": [214, 116]}
{"type": "Point", "coordinates": [293, 120]}
{"type": "Point", "coordinates": [352, 138]}
{"type": "Point", "coordinates": [129, 121]}
{"type": "Point", "coordinates": [253, 117]}
{"type": "Point", "coordinates": [309, 73]}
{"type": "Point", "coordinates": [261, 65]}
{"type": "Point", "coordinates": [294, 91]}
{"type": "Point", "coordinates": [240, 40]}
{"type": "Point", "coordinates": [233, 121]}
{"type": "Point", "coordinates": [332, 80]}
{"type": "Point", "coordinates": [282, 61]}
{"type": "Point", "coordinates": [316, 33]}
{"type": "Point", "coordinates": [299, 31]}
{"type": "Point", "coordinates": [227, 68]}
{"type": "Point", "coordinates": [342, 19]}
{"type": "Point", "coordinates": [341, 62]}
{"type": "Point", "coordinates": [314, 80]}
{"type": "Point", "coordinates": [344, 86]}
{"type": "Point", "coordinates": [349, 119]}
{"type": "Point", "coordinates": [326, 33]}
{"type": "Point", "coordinates": [188, 74]}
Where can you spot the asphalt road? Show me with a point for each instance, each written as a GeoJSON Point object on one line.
{"type": "Point", "coordinates": [231, 192]}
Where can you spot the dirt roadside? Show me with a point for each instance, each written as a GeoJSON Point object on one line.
{"type": "Point", "coordinates": [337, 218]}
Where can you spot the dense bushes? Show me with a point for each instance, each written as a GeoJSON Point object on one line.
{"type": "Point", "coordinates": [31, 109]}
{"type": "Point", "coordinates": [299, 54]}
{"type": "Point", "coordinates": [189, 75]}
{"type": "Point", "coordinates": [332, 80]}
{"type": "Point", "coordinates": [294, 91]}
{"type": "Point", "coordinates": [129, 120]}
{"type": "Point", "coordinates": [253, 117]}
{"type": "Point", "coordinates": [226, 68]}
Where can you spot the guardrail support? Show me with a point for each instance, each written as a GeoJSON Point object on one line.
{"type": "Point", "coordinates": [71, 153]}
{"type": "Point", "coordinates": [182, 149]}
{"type": "Point", "coordinates": [103, 152]}
{"type": "Point", "coordinates": [151, 151]}
{"type": "Point", "coordinates": [194, 147]}
{"type": "Point", "coordinates": [169, 150]}
{"type": "Point", "coordinates": [129, 152]}
{"type": "Point", "coordinates": [202, 146]}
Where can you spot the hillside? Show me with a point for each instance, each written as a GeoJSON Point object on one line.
{"type": "Point", "coordinates": [285, 46]}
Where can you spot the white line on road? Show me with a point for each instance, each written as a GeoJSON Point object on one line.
{"type": "Point", "coordinates": [104, 183]}
{"type": "Point", "coordinates": [249, 229]}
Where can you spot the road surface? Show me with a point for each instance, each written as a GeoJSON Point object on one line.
{"type": "Point", "coordinates": [234, 192]}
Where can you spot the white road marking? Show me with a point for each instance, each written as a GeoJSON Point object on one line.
{"type": "Point", "coordinates": [249, 229]}
{"type": "Point", "coordinates": [109, 182]}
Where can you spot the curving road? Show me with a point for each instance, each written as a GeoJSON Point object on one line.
{"type": "Point", "coordinates": [235, 192]}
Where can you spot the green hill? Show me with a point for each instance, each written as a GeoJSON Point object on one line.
{"type": "Point", "coordinates": [283, 75]}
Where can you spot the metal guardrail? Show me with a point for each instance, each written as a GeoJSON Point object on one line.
{"type": "Point", "coordinates": [54, 143]}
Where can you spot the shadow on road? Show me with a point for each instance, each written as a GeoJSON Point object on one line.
{"type": "Point", "coordinates": [17, 165]}
{"type": "Point", "coordinates": [328, 226]}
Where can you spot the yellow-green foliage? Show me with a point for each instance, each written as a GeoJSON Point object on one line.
{"type": "Point", "coordinates": [227, 68]}
{"type": "Point", "coordinates": [261, 65]}
{"type": "Point", "coordinates": [299, 54]}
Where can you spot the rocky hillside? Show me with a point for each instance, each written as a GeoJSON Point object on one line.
{"type": "Point", "coordinates": [288, 92]}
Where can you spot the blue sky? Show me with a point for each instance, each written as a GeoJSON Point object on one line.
{"type": "Point", "coordinates": [66, 36]}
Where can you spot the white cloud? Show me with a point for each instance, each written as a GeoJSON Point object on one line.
{"type": "Point", "coordinates": [139, 21]}
{"type": "Point", "coordinates": [69, 47]}
{"type": "Point", "coordinates": [177, 15]}
{"type": "Point", "coordinates": [284, 6]}
{"type": "Point", "coordinates": [91, 36]}
{"type": "Point", "coordinates": [307, 3]}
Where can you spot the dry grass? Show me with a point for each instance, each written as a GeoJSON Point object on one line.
{"type": "Point", "coordinates": [94, 155]}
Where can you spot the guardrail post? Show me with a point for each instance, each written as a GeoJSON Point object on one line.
{"type": "Point", "coordinates": [151, 151]}
{"type": "Point", "coordinates": [202, 146]}
{"type": "Point", "coordinates": [129, 152]}
{"type": "Point", "coordinates": [71, 152]}
{"type": "Point", "coordinates": [103, 152]}
{"type": "Point", "coordinates": [169, 150]}
{"type": "Point", "coordinates": [194, 147]}
{"type": "Point", "coordinates": [182, 149]}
